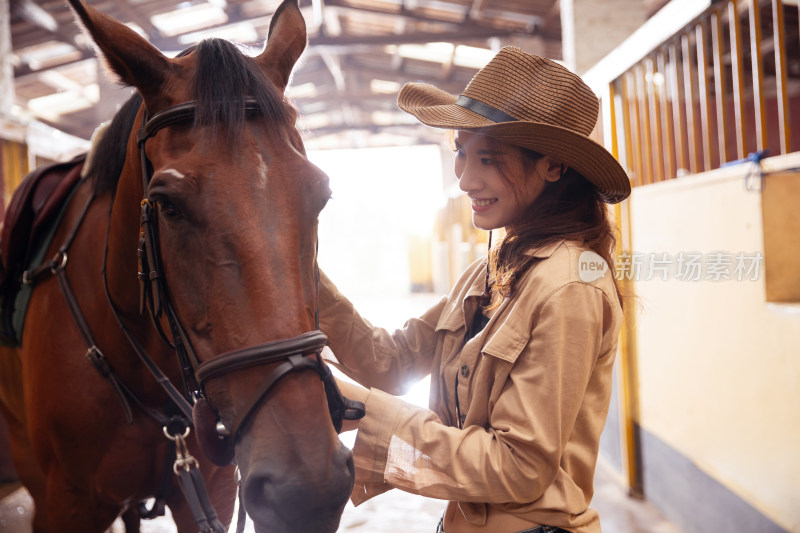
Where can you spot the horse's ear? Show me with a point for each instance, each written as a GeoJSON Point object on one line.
{"type": "Point", "coordinates": [286, 41]}
{"type": "Point", "coordinates": [131, 57]}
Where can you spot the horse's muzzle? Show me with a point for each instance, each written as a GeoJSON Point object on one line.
{"type": "Point", "coordinates": [300, 501]}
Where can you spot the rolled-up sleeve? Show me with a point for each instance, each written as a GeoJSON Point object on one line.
{"type": "Point", "coordinates": [376, 357]}
{"type": "Point", "coordinates": [518, 455]}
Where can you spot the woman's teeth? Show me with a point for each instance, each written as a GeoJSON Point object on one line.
{"type": "Point", "coordinates": [484, 203]}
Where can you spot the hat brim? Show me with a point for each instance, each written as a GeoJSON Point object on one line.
{"type": "Point", "coordinates": [436, 108]}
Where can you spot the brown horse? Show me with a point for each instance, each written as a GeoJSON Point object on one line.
{"type": "Point", "coordinates": [219, 198]}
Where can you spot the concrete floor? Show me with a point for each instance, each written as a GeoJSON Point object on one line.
{"type": "Point", "coordinates": [396, 512]}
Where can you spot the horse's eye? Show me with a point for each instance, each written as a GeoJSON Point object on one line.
{"type": "Point", "coordinates": [167, 208]}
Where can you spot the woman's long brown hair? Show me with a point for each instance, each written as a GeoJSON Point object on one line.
{"type": "Point", "coordinates": [568, 209]}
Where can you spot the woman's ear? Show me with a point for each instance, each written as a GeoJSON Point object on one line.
{"type": "Point", "coordinates": [553, 169]}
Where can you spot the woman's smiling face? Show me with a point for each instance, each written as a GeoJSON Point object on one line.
{"type": "Point", "coordinates": [481, 166]}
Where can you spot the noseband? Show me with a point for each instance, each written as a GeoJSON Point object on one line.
{"type": "Point", "coordinates": [292, 354]}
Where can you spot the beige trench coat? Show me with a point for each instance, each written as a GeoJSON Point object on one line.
{"type": "Point", "coordinates": [533, 390]}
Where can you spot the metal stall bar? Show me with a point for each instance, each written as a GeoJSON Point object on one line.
{"type": "Point", "coordinates": [780, 75]}
{"type": "Point", "coordinates": [737, 78]}
{"type": "Point", "coordinates": [636, 121]}
{"type": "Point", "coordinates": [691, 123]}
{"type": "Point", "coordinates": [633, 127]}
{"type": "Point", "coordinates": [677, 114]}
{"type": "Point", "coordinates": [627, 127]}
{"type": "Point", "coordinates": [718, 49]}
{"type": "Point", "coordinates": [758, 74]}
{"type": "Point", "coordinates": [654, 122]}
{"type": "Point", "coordinates": [667, 128]}
{"type": "Point", "coordinates": [644, 125]}
{"type": "Point", "coordinates": [702, 88]}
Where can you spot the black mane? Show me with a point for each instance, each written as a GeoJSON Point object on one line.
{"type": "Point", "coordinates": [113, 145]}
{"type": "Point", "coordinates": [224, 79]}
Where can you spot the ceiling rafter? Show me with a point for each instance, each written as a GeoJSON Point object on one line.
{"type": "Point", "coordinates": [40, 18]}
{"type": "Point", "coordinates": [345, 86]}
{"type": "Point", "coordinates": [131, 15]}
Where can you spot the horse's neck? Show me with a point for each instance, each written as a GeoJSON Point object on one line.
{"type": "Point", "coordinates": [122, 241]}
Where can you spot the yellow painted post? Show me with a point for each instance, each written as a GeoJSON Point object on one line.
{"type": "Point", "coordinates": [626, 368]}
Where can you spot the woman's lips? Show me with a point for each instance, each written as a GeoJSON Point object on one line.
{"type": "Point", "coordinates": [479, 205]}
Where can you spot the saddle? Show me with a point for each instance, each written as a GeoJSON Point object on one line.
{"type": "Point", "coordinates": [36, 204]}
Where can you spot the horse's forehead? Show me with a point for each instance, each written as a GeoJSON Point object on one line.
{"type": "Point", "coordinates": [281, 166]}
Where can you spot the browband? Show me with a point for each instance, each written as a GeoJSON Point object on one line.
{"type": "Point", "coordinates": [484, 110]}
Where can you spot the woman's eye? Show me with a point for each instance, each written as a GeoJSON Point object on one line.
{"type": "Point", "coordinates": [487, 161]}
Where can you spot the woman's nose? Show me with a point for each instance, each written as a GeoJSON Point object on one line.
{"type": "Point", "coordinates": [468, 179]}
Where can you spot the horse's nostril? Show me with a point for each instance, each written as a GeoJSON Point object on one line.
{"type": "Point", "coordinates": [315, 504]}
{"type": "Point", "coordinates": [255, 496]}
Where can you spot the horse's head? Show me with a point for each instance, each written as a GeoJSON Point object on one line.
{"type": "Point", "coordinates": [234, 205]}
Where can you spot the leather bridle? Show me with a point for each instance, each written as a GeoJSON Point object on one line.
{"type": "Point", "coordinates": [293, 354]}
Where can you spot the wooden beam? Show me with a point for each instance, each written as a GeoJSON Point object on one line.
{"type": "Point", "coordinates": [413, 15]}
{"type": "Point", "coordinates": [411, 38]}
{"type": "Point", "coordinates": [452, 85]}
{"type": "Point", "coordinates": [337, 128]}
{"type": "Point", "coordinates": [476, 10]}
{"type": "Point", "coordinates": [23, 72]}
{"type": "Point", "coordinates": [34, 14]}
{"type": "Point", "coordinates": [40, 18]}
{"type": "Point", "coordinates": [132, 15]}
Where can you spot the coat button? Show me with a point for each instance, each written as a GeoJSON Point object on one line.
{"type": "Point", "coordinates": [464, 370]}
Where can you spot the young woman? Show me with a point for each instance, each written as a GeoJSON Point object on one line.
{"type": "Point", "coordinates": [521, 352]}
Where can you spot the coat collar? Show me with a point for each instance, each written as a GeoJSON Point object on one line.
{"type": "Point", "coordinates": [463, 301]}
{"type": "Point", "coordinates": [543, 252]}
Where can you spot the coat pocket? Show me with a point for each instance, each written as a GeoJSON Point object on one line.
{"type": "Point", "coordinates": [505, 344]}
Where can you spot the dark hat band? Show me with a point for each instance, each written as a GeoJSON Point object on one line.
{"type": "Point", "coordinates": [484, 110]}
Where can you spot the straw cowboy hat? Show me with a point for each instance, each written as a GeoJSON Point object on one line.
{"type": "Point", "coordinates": [526, 101]}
